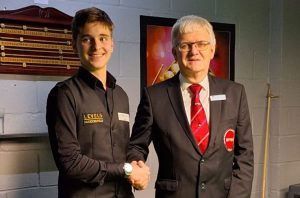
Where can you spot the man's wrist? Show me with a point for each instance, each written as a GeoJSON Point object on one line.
{"type": "Point", "coordinates": [127, 169]}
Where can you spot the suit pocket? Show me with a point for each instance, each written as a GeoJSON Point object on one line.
{"type": "Point", "coordinates": [168, 185]}
{"type": "Point", "coordinates": [227, 183]}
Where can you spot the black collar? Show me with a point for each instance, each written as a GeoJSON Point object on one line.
{"type": "Point", "coordinates": [93, 82]}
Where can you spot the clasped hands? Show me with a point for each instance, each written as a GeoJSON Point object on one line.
{"type": "Point", "coordinates": [140, 175]}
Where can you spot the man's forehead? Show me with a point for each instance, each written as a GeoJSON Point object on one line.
{"type": "Point", "coordinates": [92, 27]}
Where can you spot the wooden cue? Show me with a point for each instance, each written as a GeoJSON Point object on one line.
{"type": "Point", "coordinates": [266, 149]}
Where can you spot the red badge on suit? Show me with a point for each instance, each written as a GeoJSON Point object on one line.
{"type": "Point", "coordinates": [229, 139]}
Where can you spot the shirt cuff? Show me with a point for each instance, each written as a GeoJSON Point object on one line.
{"type": "Point", "coordinates": [114, 170]}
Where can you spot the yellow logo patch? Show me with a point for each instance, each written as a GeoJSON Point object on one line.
{"type": "Point", "coordinates": [92, 118]}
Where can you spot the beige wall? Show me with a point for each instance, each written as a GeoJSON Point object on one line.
{"type": "Point", "coordinates": [284, 160]}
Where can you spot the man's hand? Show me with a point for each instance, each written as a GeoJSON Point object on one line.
{"type": "Point", "coordinates": [140, 175]}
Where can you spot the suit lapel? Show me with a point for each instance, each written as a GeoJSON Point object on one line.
{"type": "Point", "coordinates": [215, 112]}
{"type": "Point", "coordinates": [175, 97]}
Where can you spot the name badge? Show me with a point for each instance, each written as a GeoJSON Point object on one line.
{"type": "Point", "coordinates": [218, 97]}
{"type": "Point", "coordinates": [123, 117]}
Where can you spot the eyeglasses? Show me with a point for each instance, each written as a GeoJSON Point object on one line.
{"type": "Point", "coordinates": [187, 46]}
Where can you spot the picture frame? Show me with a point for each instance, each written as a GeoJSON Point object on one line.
{"type": "Point", "coordinates": [157, 61]}
{"type": "Point", "coordinates": [37, 41]}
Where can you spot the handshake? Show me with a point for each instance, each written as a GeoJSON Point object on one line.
{"type": "Point", "coordinates": [138, 175]}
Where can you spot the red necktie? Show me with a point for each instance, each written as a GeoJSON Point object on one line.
{"type": "Point", "coordinates": [199, 123]}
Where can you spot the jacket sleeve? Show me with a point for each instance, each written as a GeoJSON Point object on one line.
{"type": "Point", "coordinates": [242, 175]}
{"type": "Point", "coordinates": [61, 121]}
{"type": "Point", "coordinates": [141, 131]}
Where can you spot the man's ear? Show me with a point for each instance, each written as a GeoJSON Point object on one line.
{"type": "Point", "coordinates": [213, 50]}
{"type": "Point", "coordinates": [174, 53]}
{"type": "Point", "coordinates": [112, 45]}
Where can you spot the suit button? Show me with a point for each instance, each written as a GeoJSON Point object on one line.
{"type": "Point", "coordinates": [202, 161]}
{"type": "Point", "coordinates": [203, 186]}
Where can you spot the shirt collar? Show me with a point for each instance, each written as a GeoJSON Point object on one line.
{"type": "Point", "coordinates": [93, 82]}
{"type": "Point", "coordinates": [184, 84]}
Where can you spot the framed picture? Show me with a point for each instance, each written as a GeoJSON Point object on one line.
{"type": "Point", "coordinates": [36, 41]}
{"type": "Point", "coordinates": [157, 61]}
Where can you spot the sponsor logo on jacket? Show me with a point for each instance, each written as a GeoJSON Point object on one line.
{"type": "Point", "coordinates": [92, 118]}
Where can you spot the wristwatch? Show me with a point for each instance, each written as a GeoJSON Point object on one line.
{"type": "Point", "coordinates": [127, 169]}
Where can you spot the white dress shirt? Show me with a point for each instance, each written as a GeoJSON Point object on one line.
{"type": "Point", "coordinates": [187, 96]}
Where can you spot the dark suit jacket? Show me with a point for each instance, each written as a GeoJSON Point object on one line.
{"type": "Point", "coordinates": [183, 170]}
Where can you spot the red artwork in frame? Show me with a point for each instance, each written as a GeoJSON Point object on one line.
{"type": "Point", "coordinates": [157, 61]}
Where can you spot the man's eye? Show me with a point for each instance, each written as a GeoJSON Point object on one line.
{"type": "Point", "coordinates": [103, 39]}
{"type": "Point", "coordinates": [86, 40]}
{"type": "Point", "coordinates": [184, 46]}
{"type": "Point", "coordinates": [201, 44]}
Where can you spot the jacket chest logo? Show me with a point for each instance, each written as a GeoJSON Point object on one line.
{"type": "Point", "coordinates": [229, 139]}
{"type": "Point", "coordinates": [92, 118]}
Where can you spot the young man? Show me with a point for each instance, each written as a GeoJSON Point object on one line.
{"type": "Point", "coordinates": [199, 124]}
{"type": "Point", "coordinates": [88, 119]}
